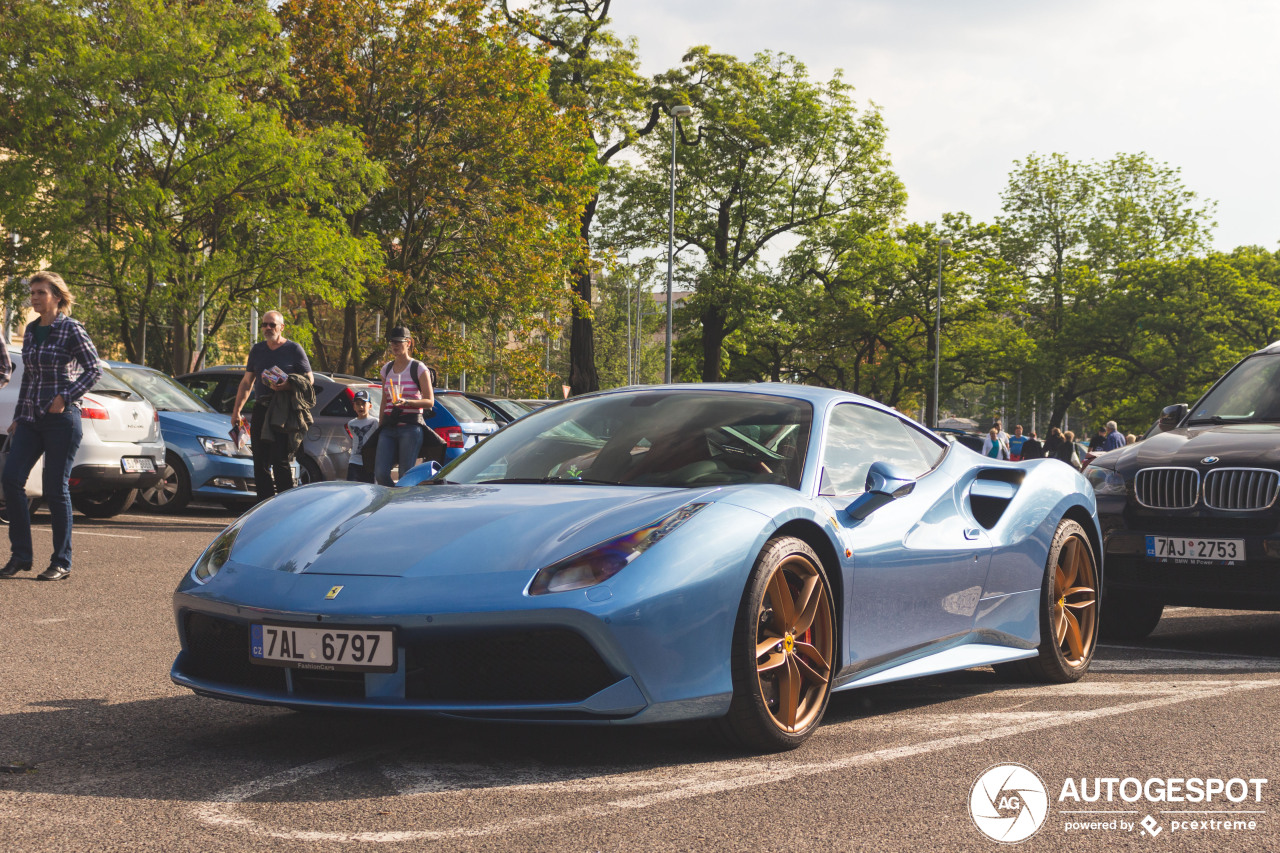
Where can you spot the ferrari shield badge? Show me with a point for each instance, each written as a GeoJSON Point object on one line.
{"type": "Point", "coordinates": [333, 593]}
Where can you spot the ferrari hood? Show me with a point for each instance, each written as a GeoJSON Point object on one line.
{"type": "Point", "coordinates": [350, 529]}
{"type": "Point", "coordinates": [1230, 445]}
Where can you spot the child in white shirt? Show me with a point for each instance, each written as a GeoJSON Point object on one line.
{"type": "Point", "coordinates": [360, 428]}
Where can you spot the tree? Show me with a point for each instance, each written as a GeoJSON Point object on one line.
{"type": "Point", "coordinates": [597, 73]}
{"type": "Point", "coordinates": [147, 162]}
{"type": "Point", "coordinates": [486, 176]}
{"type": "Point", "coordinates": [776, 154]}
{"type": "Point", "coordinates": [1067, 228]}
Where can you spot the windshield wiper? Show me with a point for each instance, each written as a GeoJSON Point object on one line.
{"type": "Point", "coordinates": [543, 480]}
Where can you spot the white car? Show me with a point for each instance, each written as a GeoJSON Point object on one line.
{"type": "Point", "coordinates": [121, 451]}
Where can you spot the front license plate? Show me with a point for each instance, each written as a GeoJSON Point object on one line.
{"type": "Point", "coordinates": [323, 648]}
{"type": "Point", "coordinates": [1199, 550]}
{"type": "Point", "coordinates": [137, 465]}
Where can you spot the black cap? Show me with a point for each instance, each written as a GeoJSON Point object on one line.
{"type": "Point", "coordinates": [363, 396]}
{"type": "Point", "coordinates": [398, 333]}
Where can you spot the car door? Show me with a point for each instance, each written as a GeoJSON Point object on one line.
{"type": "Point", "coordinates": [918, 563]}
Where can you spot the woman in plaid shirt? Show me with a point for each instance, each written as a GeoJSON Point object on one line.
{"type": "Point", "coordinates": [59, 364]}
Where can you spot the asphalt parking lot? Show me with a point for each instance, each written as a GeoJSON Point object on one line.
{"type": "Point", "coordinates": [105, 753]}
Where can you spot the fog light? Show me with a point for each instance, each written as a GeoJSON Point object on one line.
{"type": "Point", "coordinates": [225, 483]}
{"type": "Point", "coordinates": [1271, 547]}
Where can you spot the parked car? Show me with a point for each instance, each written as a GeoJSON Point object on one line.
{"type": "Point", "coordinates": [326, 447]}
{"type": "Point", "coordinates": [1190, 513]}
{"type": "Point", "coordinates": [121, 451]}
{"type": "Point", "coordinates": [973, 441]}
{"type": "Point", "coordinates": [501, 409]}
{"type": "Point", "coordinates": [201, 460]}
{"type": "Point", "coordinates": [460, 422]}
{"type": "Point", "coordinates": [727, 552]}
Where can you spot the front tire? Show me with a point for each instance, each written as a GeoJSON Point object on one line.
{"type": "Point", "coordinates": [783, 650]}
{"type": "Point", "coordinates": [104, 504]}
{"type": "Point", "coordinates": [1068, 612]}
{"type": "Point", "coordinates": [173, 491]}
{"type": "Point", "coordinates": [1130, 616]}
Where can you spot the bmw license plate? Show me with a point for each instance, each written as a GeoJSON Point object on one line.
{"type": "Point", "coordinates": [323, 648]}
{"type": "Point", "coordinates": [1196, 550]}
{"type": "Point", "coordinates": [137, 465]}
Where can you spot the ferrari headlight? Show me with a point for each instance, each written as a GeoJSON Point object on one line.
{"type": "Point", "coordinates": [215, 556]}
{"type": "Point", "coordinates": [222, 447]}
{"type": "Point", "coordinates": [603, 561]}
{"type": "Point", "coordinates": [1104, 481]}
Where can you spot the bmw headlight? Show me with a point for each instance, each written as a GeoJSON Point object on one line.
{"type": "Point", "coordinates": [601, 562]}
{"type": "Point", "coordinates": [222, 447]}
{"type": "Point", "coordinates": [1104, 481]}
{"type": "Point", "coordinates": [215, 556]}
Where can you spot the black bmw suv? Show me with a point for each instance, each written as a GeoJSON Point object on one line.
{"type": "Point", "coordinates": [1189, 515]}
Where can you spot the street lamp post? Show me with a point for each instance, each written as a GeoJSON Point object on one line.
{"type": "Point", "coordinates": [677, 112]}
{"type": "Point", "coordinates": [937, 334]}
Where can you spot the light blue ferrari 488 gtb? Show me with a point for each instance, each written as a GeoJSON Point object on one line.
{"type": "Point", "coordinates": [729, 552]}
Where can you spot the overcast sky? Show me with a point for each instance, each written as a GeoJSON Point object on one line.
{"type": "Point", "coordinates": [969, 86]}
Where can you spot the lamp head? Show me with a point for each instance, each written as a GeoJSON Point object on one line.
{"type": "Point", "coordinates": [681, 111]}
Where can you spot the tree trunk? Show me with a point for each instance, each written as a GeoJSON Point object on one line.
{"type": "Point", "coordinates": [583, 377]}
{"type": "Point", "coordinates": [180, 331]}
{"type": "Point", "coordinates": [713, 334]}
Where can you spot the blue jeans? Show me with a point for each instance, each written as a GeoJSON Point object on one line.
{"type": "Point", "coordinates": [399, 443]}
{"type": "Point", "coordinates": [57, 437]}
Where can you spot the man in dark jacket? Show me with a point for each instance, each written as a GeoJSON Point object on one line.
{"type": "Point", "coordinates": [1032, 448]}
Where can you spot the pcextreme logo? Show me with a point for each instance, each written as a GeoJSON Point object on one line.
{"type": "Point", "coordinates": [1009, 803]}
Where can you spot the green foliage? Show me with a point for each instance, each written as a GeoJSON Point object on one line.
{"type": "Point", "coordinates": [149, 165]}
{"type": "Point", "coordinates": [775, 154]}
{"type": "Point", "coordinates": [486, 175]}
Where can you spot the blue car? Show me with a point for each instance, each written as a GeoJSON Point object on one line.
{"type": "Point", "coordinates": [202, 462]}
{"type": "Point", "coordinates": [734, 552]}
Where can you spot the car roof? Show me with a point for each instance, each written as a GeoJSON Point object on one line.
{"type": "Point", "coordinates": [814, 394]}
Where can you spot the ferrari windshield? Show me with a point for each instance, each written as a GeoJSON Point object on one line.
{"type": "Point", "coordinates": [1250, 392]}
{"type": "Point", "coordinates": [648, 438]}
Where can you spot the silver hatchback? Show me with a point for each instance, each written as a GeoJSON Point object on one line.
{"type": "Point", "coordinates": [121, 450]}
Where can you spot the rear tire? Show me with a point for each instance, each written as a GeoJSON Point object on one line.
{"type": "Point", "coordinates": [104, 504]}
{"type": "Point", "coordinates": [1129, 616]}
{"type": "Point", "coordinates": [308, 470]}
{"type": "Point", "coordinates": [783, 650]}
{"type": "Point", "coordinates": [173, 492]}
{"type": "Point", "coordinates": [1068, 612]}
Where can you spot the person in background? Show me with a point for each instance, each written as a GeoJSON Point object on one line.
{"type": "Point", "coordinates": [1066, 451]}
{"type": "Point", "coordinates": [271, 360]}
{"type": "Point", "coordinates": [361, 429]}
{"type": "Point", "coordinates": [1095, 443]}
{"type": "Point", "coordinates": [60, 363]}
{"type": "Point", "coordinates": [1052, 443]}
{"type": "Point", "coordinates": [992, 445]}
{"type": "Point", "coordinates": [406, 395]}
{"type": "Point", "coordinates": [1016, 441]}
{"type": "Point", "coordinates": [1114, 439]}
{"type": "Point", "coordinates": [1128, 439]}
{"type": "Point", "coordinates": [1032, 448]}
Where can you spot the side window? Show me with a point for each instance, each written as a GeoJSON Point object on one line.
{"type": "Point", "coordinates": [205, 389]}
{"type": "Point", "coordinates": [858, 435]}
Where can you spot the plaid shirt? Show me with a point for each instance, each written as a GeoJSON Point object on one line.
{"type": "Point", "coordinates": [66, 363]}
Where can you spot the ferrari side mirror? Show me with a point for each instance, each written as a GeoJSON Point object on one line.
{"type": "Point", "coordinates": [885, 484]}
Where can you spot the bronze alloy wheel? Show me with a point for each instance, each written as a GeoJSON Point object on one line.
{"type": "Point", "coordinates": [1069, 612]}
{"type": "Point", "coordinates": [1073, 612]}
{"type": "Point", "coordinates": [784, 650]}
{"type": "Point", "coordinates": [793, 644]}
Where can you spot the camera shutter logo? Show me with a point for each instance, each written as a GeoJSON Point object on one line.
{"type": "Point", "coordinates": [1009, 803]}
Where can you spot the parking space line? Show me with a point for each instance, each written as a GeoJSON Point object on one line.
{"type": "Point", "coordinates": [111, 535]}
{"type": "Point", "coordinates": [703, 780]}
